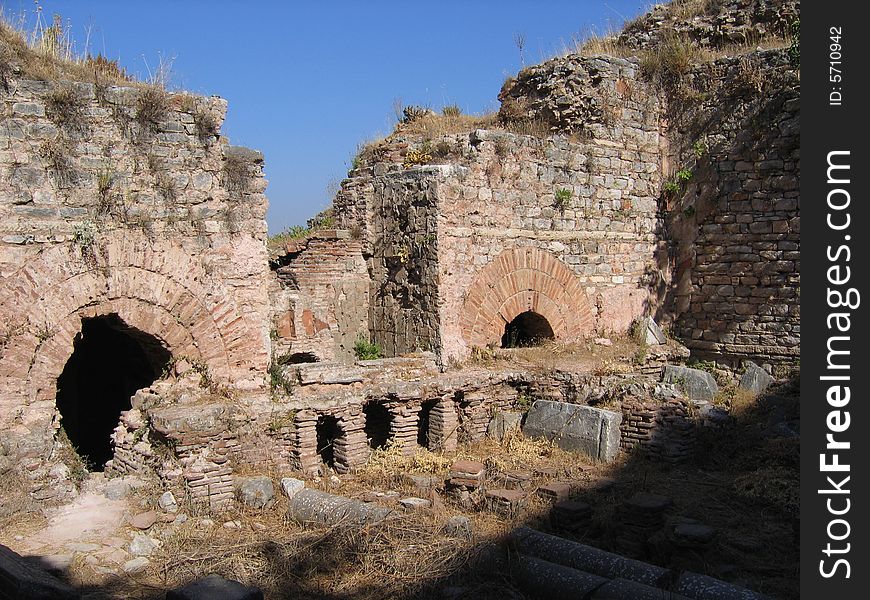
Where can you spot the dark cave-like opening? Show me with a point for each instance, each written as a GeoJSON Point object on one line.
{"type": "Point", "coordinates": [328, 431]}
{"type": "Point", "coordinates": [424, 423]}
{"type": "Point", "coordinates": [527, 329]}
{"type": "Point", "coordinates": [110, 361]}
{"type": "Point", "coordinates": [377, 427]}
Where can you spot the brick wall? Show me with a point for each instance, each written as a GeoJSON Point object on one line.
{"type": "Point", "coordinates": [123, 201]}
{"type": "Point", "coordinates": [321, 303]}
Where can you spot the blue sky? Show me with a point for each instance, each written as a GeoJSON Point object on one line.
{"type": "Point", "coordinates": [307, 82]}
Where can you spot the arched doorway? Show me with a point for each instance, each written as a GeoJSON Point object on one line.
{"type": "Point", "coordinates": [110, 361]}
{"type": "Point", "coordinates": [527, 329]}
{"type": "Point", "coordinates": [525, 280]}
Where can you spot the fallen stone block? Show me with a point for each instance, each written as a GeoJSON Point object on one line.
{"type": "Point", "coordinates": [585, 558]}
{"type": "Point", "coordinates": [167, 502]}
{"type": "Point", "coordinates": [21, 579]}
{"type": "Point", "coordinates": [415, 503]}
{"type": "Point", "coordinates": [291, 486]}
{"type": "Point", "coordinates": [702, 587]}
{"type": "Point", "coordinates": [542, 579]}
{"type": "Point", "coordinates": [136, 565]}
{"type": "Point", "coordinates": [585, 429]}
{"type": "Point", "coordinates": [468, 473]}
{"type": "Point", "coordinates": [503, 423]}
{"type": "Point", "coordinates": [143, 520]}
{"type": "Point", "coordinates": [507, 503]}
{"type": "Point", "coordinates": [555, 491]}
{"type": "Point", "coordinates": [653, 334]}
{"type": "Point", "coordinates": [754, 379]}
{"type": "Point", "coordinates": [256, 492]}
{"type": "Point", "coordinates": [314, 506]}
{"type": "Point", "coordinates": [624, 589]}
{"type": "Point", "coordinates": [215, 587]}
{"type": "Point", "coordinates": [698, 385]}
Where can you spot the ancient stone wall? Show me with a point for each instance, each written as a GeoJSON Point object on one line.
{"type": "Point", "coordinates": [403, 236]}
{"type": "Point", "coordinates": [736, 222]}
{"type": "Point", "coordinates": [565, 229]}
{"type": "Point", "coordinates": [123, 203]}
{"type": "Point", "coordinates": [466, 231]}
{"type": "Point", "coordinates": [320, 305]}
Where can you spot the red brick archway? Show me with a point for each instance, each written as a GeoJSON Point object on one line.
{"type": "Point", "coordinates": [165, 294]}
{"type": "Point", "coordinates": [520, 280]}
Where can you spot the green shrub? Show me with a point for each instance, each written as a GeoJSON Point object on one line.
{"type": "Point", "coordinates": [684, 175]}
{"type": "Point", "coordinates": [363, 349]}
{"type": "Point", "coordinates": [563, 198]}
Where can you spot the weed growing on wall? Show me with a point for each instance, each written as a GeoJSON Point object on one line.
{"type": "Point", "coordinates": [363, 349]}
{"type": "Point", "coordinates": [562, 198]}
{"type": "Point", "coordinates": [66, 109]}
{"type": "Point", "coordinates": [151, 108]}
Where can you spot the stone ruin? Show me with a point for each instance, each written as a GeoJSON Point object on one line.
{"type": "Point", "coordinates": [140, 309]}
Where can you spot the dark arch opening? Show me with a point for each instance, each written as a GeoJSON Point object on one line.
{"type": "Point", "coordinates": [424, 423]}
{"type": "Point", "coordinates": [377, 427]}
{"type": "Point", "coordinates": [328, 431]}
{"type": "Point", "coordinates": [110, 361]}
{"type": "Point", "coordinates": [527, 329]}
{"type": "Point", "coordinates": [298, 358]}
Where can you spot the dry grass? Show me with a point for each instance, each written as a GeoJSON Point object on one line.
{"type": "Point", "coordinates": [433, 125]}
{"type": "Point", "coordinates": [582, 356]}
{"type": "Point", "coordinates": [46, 54]}
{"type": "Point", "coordinates": [391, 459]}
{"type": "Point", "coordinates": [67, 109]}
{"type": "Point", "coordinates": [396, 558]}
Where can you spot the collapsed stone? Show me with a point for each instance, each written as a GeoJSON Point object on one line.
{"type": "Point", "coordinates": [591, 431]}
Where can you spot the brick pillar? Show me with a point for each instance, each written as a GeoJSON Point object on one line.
{"type": "Point", "coordinates": [305, 443]}
{"type": "Point", "coordinates": [443, 426]}
{"type": "Point", "coordinates": [475, 418]}
{"type": "Point", "coordinates": [351, 448]}
{"type": "Point", "coordinates": [403, 427]}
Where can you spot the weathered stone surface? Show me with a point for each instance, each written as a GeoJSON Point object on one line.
{"type": "Point", "coordinates": [22, 579]}
{"type": "Point", "coordinates": [291, 486]}
{"type": "Point", "coordinates": [585, 558]}
{"type": "Point", "coordinates": [256, 492]}
{"type": "Point", "coordinates": [555, 491]}
{"type": "Point", "coordinates": [215, 587]}
{"type": "Point", "coordinates": [504, 422]}
{"type": "Point", "coordinates": [458, 526]}
{"type": "Point", "coordinates": [702, 587]}
{"type": "Point", "coordinates": [143, 520]}
{"type": "Point", "coordinates": [653, 333]}
{"type": "Point", "coordinates": [571, 515]}
{"type": "Point", "coordinates": [142, 545]}
{"type": "Point", "coordinates": [624, 589]}
{"type": "Point", "coordinates": [591, 431]}
{"type": "Point", "coordinates": [543, 579]}
{"type": "Point", "coordinates": [698, 385]}
{"type": "Point", "coordinates": [693, 533]}
{"type": "Point", "coordinates": [135, 565]}
{"type": "Point", "coordinates": [754, 379]}
{"type": "Point", "coordinates": [167, 502]}
{"type": "Point", "coordinates": [415, 503]}
{"type": "Point", "coordinates": [313, 506]}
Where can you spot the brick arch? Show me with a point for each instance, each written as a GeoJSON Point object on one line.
{"type": "Point", "coordinates": [520, 280]}
{"type": "Point", "coordinates": [159, 295]}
